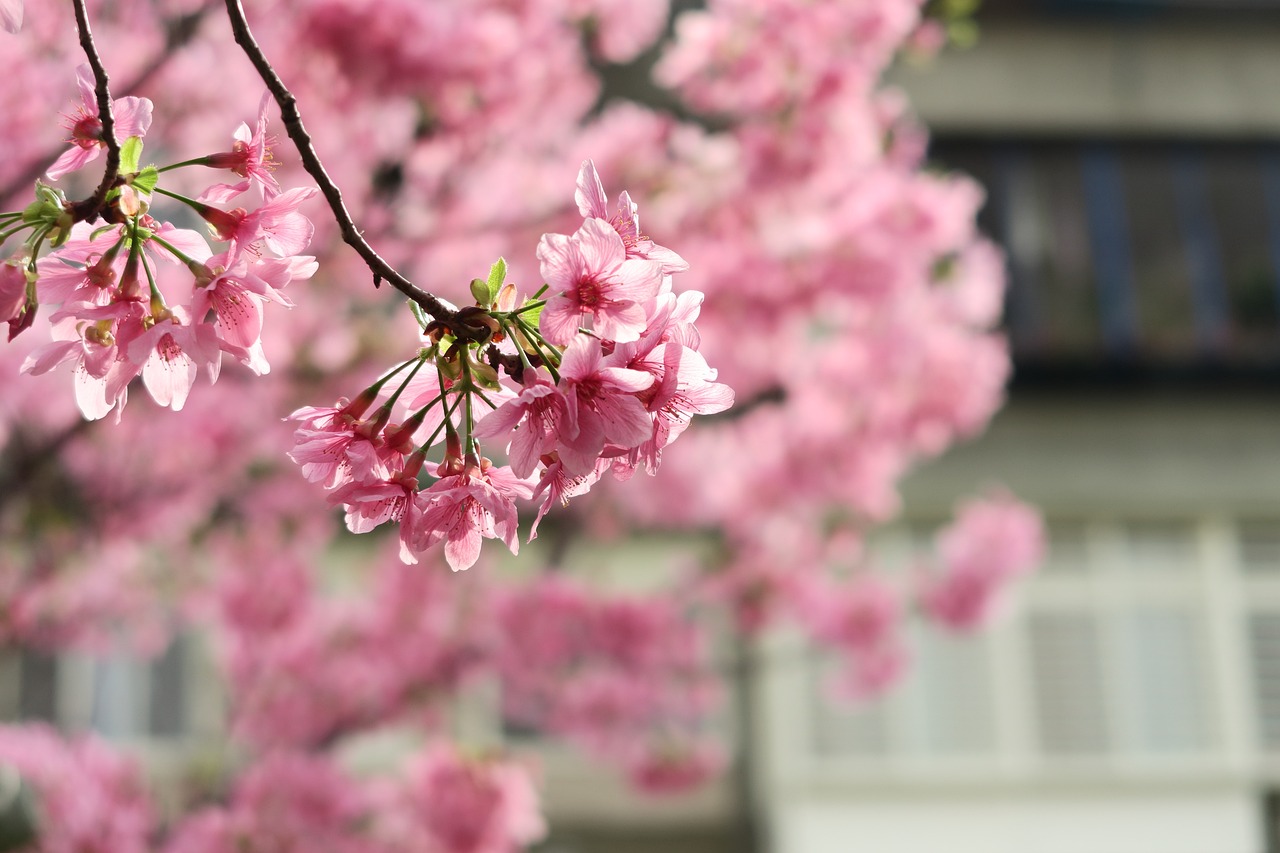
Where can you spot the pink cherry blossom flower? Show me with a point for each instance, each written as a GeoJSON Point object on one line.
{"type": "Point", "coordinates": [602, 405]}
{"type": "Point", "coordinates": [340, 452]}
{"type": "Point", "coordinates": [558, 486]}
{"type": "Point", "coordinates": [85, 269]}
{"type": "Point", "coordinates": [249, 157]}
{"type": "Point", "coordinates": [593, 203]}
{"type": "Point", "coordinates": [990, 543]}
{"type": "Point", "coordinates": [132, 118]}
{"type": "Point", "coordinates": [168, 356]}
{"type": "Point", "coordinates": [461, 509]}
{"type": "Point", "coordinates": [473, 805]}
{"type": "Point", "coordinates": [90, 797]}
{"type": "Point", "coordinates": [592, 277]}
{"type": "Point", "coordinates": [89, 335]}
{"type": "Point", "coordinates": [532, 422]}
{"type": "Point", "coordinates": [237, 295]}
{"type": "Point", "coordinates": [277, 223]}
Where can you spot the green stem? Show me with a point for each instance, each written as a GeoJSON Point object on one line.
{"type": "Point", "coordinates": [405, 384]}
{"type": "Point", "coordinates": [530, 306]}
{"type": "Point", "coordinates": [423, 411]}
{"type": "Point", "coordinates": [5, 235]}
{"type": "Point", "coordinates": [470, 444]}
{"type": "Point", "coordinates": [198, 161]}
{"type": "Point", "coordinates": [173, 250]}
{"type": "Point", "coordinates": [135, 249]}
{"type": "Point", "coordinates": [446, 423]}
{"type": "Point", "coordinates": [506, 330]}
{"type": "Point", "coordinates": [35, 252]}
{"type": "Point", "coordinates": [189, 202]}
{"type": "Point", "coordinates": [377, 385]}
{"type": "Point", "coordinates": [549, 355]}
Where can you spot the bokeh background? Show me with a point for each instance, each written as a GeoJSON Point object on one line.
{"type": "Point", "coordinates": [1127, 699]}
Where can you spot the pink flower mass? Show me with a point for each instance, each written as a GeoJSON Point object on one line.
{"type": "Point", "coordinates": [822, 322]}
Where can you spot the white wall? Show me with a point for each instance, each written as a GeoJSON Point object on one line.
{"type": "Point", "coordinates": [1194, 821]}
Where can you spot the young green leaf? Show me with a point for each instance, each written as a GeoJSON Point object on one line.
{"type": "Point", "coordinates": [145, 181]}
{"type": "Point", "coordinates": [497, 275]}
{"type": "Point", "coordinates": [130, 155]}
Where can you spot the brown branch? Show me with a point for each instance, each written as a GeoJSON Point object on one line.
{"type": "Point", "coordinates": [179, 32]}
{"type": "Point", "coordinates": [311, 162]}
{"type": "Point", "coordinates": [90, 208]}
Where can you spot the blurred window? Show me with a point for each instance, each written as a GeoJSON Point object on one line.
{"type": "Point", "coordinates": [1142, 253]}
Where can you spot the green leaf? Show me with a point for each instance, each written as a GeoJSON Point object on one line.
{"type": "Point", "coordinates": [497, 275]}
{"type": "Point", "coordinates": [130, 155]}
{"type": "Point", "coordinates": [532, 316]}
{"type": "Point", "coordinates": [146, 180]}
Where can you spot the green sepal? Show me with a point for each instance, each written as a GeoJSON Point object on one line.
{"type": "Point", "coordinates": [480, 292]}
{"type": "Point", "coordinates": [131, 155]}
{"type": "Point", "coordinates": [485, 375]}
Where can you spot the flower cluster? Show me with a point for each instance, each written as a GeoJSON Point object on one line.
{"type": "Point", "coordinates": [599, 376]}
{"type": "Point", "coordinates": [446, 802]}
{"type": "Point", "coordinates": [86, 797]}
{"type": "Point", "coordinates": [627, 677]}
{"type": "Point", "coordinates": [138, 296]}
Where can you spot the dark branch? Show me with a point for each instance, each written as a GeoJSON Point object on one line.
{"type": "Point", "coordinates": [382, 271]}
{"type": "Point", "coordinates": [102, 91]}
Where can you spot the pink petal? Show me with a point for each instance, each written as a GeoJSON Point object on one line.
{"type": "Point", "coordinates": [49, 356]}
{"type": "Point", "coordinates": [626, 380]}
{"type": "Point", "coordinates": [560, 261]}
{"type": "Point", "coordinates": [84, 82]}
{"type": "Point", "coordinates": [637, 280]}
{"type": "Point", "coordinates": [602, 248]}
{"type": "Point", "coordinates": [711, 397]}
{"type": "Point", "coordinates": [622, 323]}
{"type": "Point", "coordinates": [289, 235]}
{"type": "Point", "coordinates": [223, 193]}
{"type": "Point", "coordinates": [463, 551]}
{"type": "Point", "coordinates": [581, 359]}
{"type": "Point", "coordinates": [239, 315]}
{"type": "Point", "coordinates": [189, 242]}
{"type": "Point", "coordinates": [590, 193]}
{"type": "Point", "coordinates": [626, 422]}
{"type": "Point", "coordinates": [133, 117]}
{"type": "Point", "coordinates": [169, 374]}
{"type": "Point", "coordinates": [526, 448]}
{"type": "Point", "coordinates": [91, 395]}
{"type": "Point", "coordinates": [72, 159]}
{"type": "Point", "coordinates": [560, 321]}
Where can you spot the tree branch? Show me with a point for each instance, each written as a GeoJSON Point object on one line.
{"type": "Point", "coordinates": [102, 91]}
{"type": "Point", "coordinates": [311, 162]}
{"type": "Point", "coordinates": [179, 31]}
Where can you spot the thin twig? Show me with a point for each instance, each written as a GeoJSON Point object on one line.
{"type": "Point", "coordinates": [179, 31]}
{"type": "Point", "coordinates": [102, 91]}
{"type": "Point", "coordinates": [311, 162]}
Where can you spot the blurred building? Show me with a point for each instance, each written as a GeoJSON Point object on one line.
{"type": "Point", "coordinates": [1130, 700]}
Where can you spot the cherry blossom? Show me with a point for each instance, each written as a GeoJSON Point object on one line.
{"type": "Point", "coordinates": [132, 117]}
